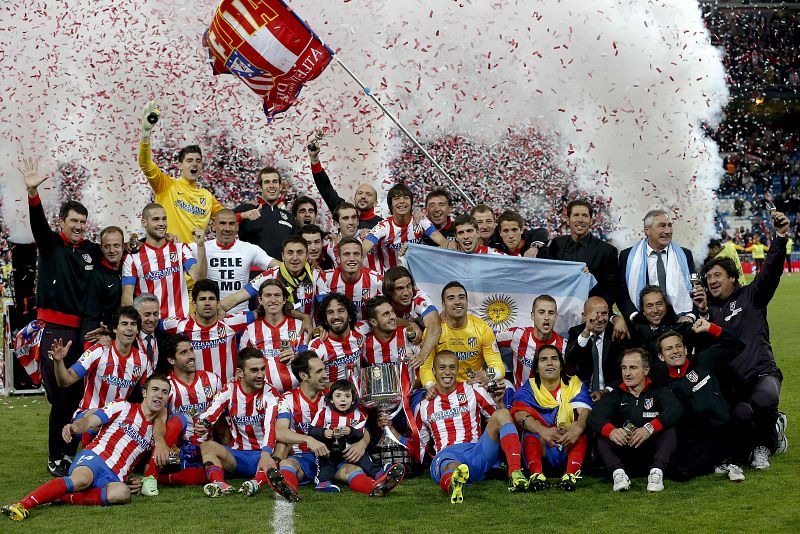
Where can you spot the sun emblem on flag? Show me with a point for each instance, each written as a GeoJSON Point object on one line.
{"type": "Point", "coordinates": [499, 311]}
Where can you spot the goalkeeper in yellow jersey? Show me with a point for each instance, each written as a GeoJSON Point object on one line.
{"type": "Point", "coordinates": [470, 338]}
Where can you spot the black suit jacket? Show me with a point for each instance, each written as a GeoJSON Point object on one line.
{"type": "Point", "coordinates": [624, 303]}
{"type": "Point", "coordinates": [579, 359]}
{"type": "Point", "coordinates": [600, 257]}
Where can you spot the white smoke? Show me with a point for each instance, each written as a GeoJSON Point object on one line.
{"type": "Point", "coordinates": [625, 87]}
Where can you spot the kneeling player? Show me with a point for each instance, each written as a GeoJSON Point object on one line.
{"type": "Point", "coordinates": [453, 418]}
{"type": "Point", "coordinates": [545, 408]}
{"type": "Point", "coordinates": [97, 473]}
{"type": "Point", "coordinates": [250, 406]}
{"type": "Point", "coordinates": [191, 394]}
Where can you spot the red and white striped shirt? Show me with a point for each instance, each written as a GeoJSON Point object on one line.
{"type": "Point", "coordinates": [327, 417]}
{"type": "Point", "coordinates": [109, 376]}
{"type": "Point", "coordinates": [123, 438]}
{"type": "Point", "coordinates": [215, 346]}
{"type": "Point", "coordinates": [160, 271]}
{"type": "Point", "coordinates": [453, 419]}
{"type": "Point", "coordinates": [195, 397]}
{"type": "Point", "coordinates": [483, 249]}
{"type": "Point", "coordinates": [251, 417]}
{"type": "Point", "coordinates": [378, 352]}
{"type": "Point", "coordinates": [524, 344]}
{"type": "Point", "coordinates": [342, 357]}
{"type": "Point", "coordinates": [300, 411]}
{"type": "Point", "coordinates": [421, 305]}
{"type": "Point", "coordinates": [141, 344]}
{"type": "Point", "coordinates": [305, 295]}
{"type": "Point", "coordinates": [388, 238]}
{"type": "Point", "coordinates": [368, 285]}
{"type": "Point", "coordinates": [267, 339]}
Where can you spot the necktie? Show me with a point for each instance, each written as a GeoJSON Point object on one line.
{"type": "Point", "coordinates": [596, 363]}
{"type": "Point", "coordinates": [149, 347]}
{"type": "Point", "coordinates": [661, 271]}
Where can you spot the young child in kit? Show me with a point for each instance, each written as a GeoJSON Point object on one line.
{"type": "Point", "coordinates": [339, 425]}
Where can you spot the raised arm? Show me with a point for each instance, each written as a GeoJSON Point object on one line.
{"type": "Point", "coordinates": [155, 176]}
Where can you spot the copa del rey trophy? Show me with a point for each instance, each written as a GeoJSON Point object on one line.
{"type": "Point", "coordinates": [384, 395]}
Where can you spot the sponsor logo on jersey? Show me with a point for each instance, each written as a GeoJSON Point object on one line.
{"type": "Point", "coordinates": [648, 403]}
{"type": "Point", "coordinates": [118, 382]}
{"type": "Point", "coordinates": [133, 433]}
{"type": "Point", "coordinates": [185, 206]}
{"type": "Point", "coordinates": [162, 273]}
{"type": "Point", "coordinates": [448, 414]}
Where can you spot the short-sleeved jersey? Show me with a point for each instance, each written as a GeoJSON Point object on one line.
{"type": "Point", "coordinates": [109, 376]}
{"type": "Point", "coordinates": [267, 338]}
{"type": "Point", "coordinates": [523, 343]}
{"type": "Point", "coordinates": [474, 346]}
{"type": "Point", "coordinates": [327, 417]}
{"type": "Point", "coordinates": [215, 346]}
{"type": "Point", "coordinates": [377, 352]}
{"type": "Point", "coordinates": [300, 411]}
{"type": "Point", "coordinates": [388, 238]}
{"type": "Point", "coordinates": [229, 266]}
{"type": "Point", "coordinates": [483, 249]}
{"type": "Point", "coordinates": [341, 356]}
{"type": "Point", "coordinates": [124, 437]}
{"type": "Point", "coordinates": [454, 418]}
{"type": "Point", "coordinates": [160, 271]}
{"type": "Point", "coordinates": [195, 397]}
{"type": "Point", "coordinates": [421, 305]}
{"type": "Point", "coordinates": [188, 206]}
{"type": "Point", "coordinates": [305, 295]}
{"type": "Point", "coordinates": [369, 284]}
{"type": "Point", "coordinates": [251, 417]}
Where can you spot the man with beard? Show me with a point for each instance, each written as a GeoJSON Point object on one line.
{"type": "Point", "coordinates": [467, 236]}
{"type": "Point", "coordinates": [351, 278]}
{"type": "Point", "coordinates": [364, 198]}
{"type": "Point", "coordinates": [752, 381]}
{"type": "Point", "coordinates": [304, 210]}
{"type": "Point", "coordinates": [387, 341]}
{"type": "Point", "coordinates": [342, 349]}
{"type": "Point", "coordinates": [159, 266]}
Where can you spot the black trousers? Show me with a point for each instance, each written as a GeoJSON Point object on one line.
{"type": "Point", "coordinates": [63, 401]}
{"type": "Point", "coordinates": [754, 411]}
{"type": "Point", "coordinates": [655, 452]}
{"type": "Point", "coordinates": [698, 451]}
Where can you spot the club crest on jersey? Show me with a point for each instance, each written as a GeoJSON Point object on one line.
{"type": "Point", "coordinates": [137, 370]}
{"type": "Point", "coordinates": [283, 216]}
{"type": "Point", "coordinates": [203, 202]}
{"type": "Point", "coordinates": [401, 352]}
{"type": "Point", "coordinates": [87, 258]}
{"type": "Point", "coordinates": [462, 397]}
{"type": "Point", "coordinates": [692, 376]}
{"type": "Point", "coordinates": [292, 335]}
{"type": "Point", "coordinates": [208, 390]}
{"type": "Point", "coordinates": [220, 331]}
{"type": "Point", "coordinates": [173, 257]}
{"type": "Point", "coordinates": [364, 292]}
{"type": "Point", "coordinates": [472, 342]}
{"type": "Point", "coordinates": [648, 403]}
{"type": "Point", "coordinates": [259, 404]}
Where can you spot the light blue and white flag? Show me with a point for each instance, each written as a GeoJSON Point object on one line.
{"type": "Point", "coordinates": [501, 289]}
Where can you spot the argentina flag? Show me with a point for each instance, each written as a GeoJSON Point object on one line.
{"type": "Point", "coordinates": [501, 289]}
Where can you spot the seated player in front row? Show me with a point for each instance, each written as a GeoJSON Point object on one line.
{"type": "Point", "coordinates": [338, 426]}
{"type": "Point", "coordinates": [125, 433]}
{"type": "Point", "coordinates": [453, 419]}
{"type": "Point", "coordinates": [545, 408]}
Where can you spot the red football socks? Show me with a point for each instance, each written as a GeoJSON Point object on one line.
{"type": "Point", "coordinates": [533, 453]}
{"type": "Point", "coordinates": [575, 455]}
{"type": "Point", "coordinates": [92, 497]}
{"type": "Point", "coordinates": [444, 482]}
{"type": "Point", "coordinates": [290, 478]}
{"type": "Point", "coordinates": [191, 476]}
{"type": "Point", "coordinates": [361, 483]}
{"type": "Point", "coordinates": [214, 473]}
{"type": "Point", "coordinates": [510, 445]}
{"type": "Point", "coordinates": [47, 492]}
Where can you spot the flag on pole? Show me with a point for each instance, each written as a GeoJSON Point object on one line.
{"type": "Point", "coordinates": [501, 289]}
{"type": "Point", "coordinates": [267, 46]}
{"type": "Point", "coordinates": [26, 349]}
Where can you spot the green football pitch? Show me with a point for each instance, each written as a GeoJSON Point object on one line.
{"type": "Point", "coordinates": [767, 501]}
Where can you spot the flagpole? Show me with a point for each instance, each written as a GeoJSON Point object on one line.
{"type": "Point", "coordinates": [368, 92]}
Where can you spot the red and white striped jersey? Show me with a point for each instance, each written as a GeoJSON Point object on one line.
{"type": "Point", "coordinates": [369, 284]}
{"type": "Point", "coordinates": [123, 438]}
{"type": "Point", "coordinates": [215, 346]}
{"type": "Point", "coordinates": [421, 305]}
{"type": "Point", "coordinates": [109, 376]}
{"type": "Point", "coordinates": [300, 411]}
{"type": "Point", "coordinates": [160, 271]}
{"type": "Point", "coordinates": [483, 249]}
{"type": "Point", "coordinates": [194, 397]}
{"type": "Point", "coordinates": [342, 357]}
{"type": "Point", "coordinates": [251, 417]}
{"type": "Point", "coordinates": [388, 238]}
{"type": "Point", "coordinates": [453, 419]}
{"type": "Point", "coordinates": [267, 339]}
{"type": "Point", "coordinates": [327, 417]}
{"type": "Point", "coordinates": [379, 352]}
{"type": "Point", "coordinates": [524, 344]}
{"type": "Point", "coordinates": [305, 295]}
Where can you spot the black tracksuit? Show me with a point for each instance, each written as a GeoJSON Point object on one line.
{"type": "Point", "coordinates": [644, 335]}
{"type": "Point", "coordinates": [64, 270]}
{"type": "Point", "coordinates": [751, 382]}
{"type": "Point", "coordinates": [332, 198]}
{"type": "Point", "coordinates": [102, 297]}
{"type": "Point", "coordinates": [269, 230]}
{"type": "Point", "coordinates": [705, 436]}
{"type": "Point", "coordinates": [654, 405]}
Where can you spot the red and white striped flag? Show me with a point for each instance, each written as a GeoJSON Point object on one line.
{"type": "Point", "coordinates": [26, 349]}
{"type": "Point", "coordinates": [268, 47]}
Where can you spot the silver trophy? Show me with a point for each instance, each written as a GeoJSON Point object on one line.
{"type": "Point", "coordinates": [383, 394]}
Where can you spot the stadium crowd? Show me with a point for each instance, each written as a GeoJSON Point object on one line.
{"type": "Point", "coordinates": [257, 354]}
